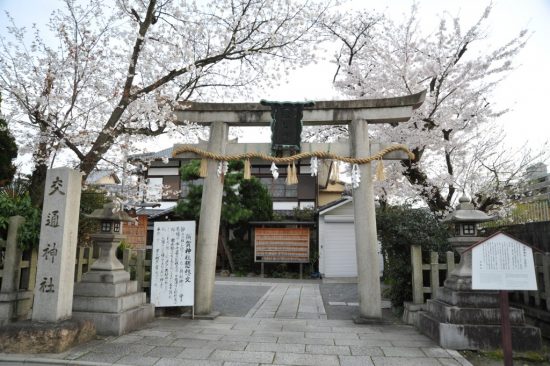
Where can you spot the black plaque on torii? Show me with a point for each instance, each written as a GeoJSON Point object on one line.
{"type": "Point", "coordinates": [286, 126]}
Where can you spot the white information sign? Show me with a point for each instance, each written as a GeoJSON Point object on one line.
{"type": "Point", "coordinates": [173, 264]}
{"type": "Point", "coordinates": [503, 263]}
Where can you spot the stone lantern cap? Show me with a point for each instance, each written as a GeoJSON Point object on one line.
{"type": "Point", "coordinates": [111, 212]}
{"type": "Point", "coordinates": [466, 212]}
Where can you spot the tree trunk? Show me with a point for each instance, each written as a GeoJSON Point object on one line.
{"type": "Point", "coordinates": [38, 177]}
{"type": "Point", "coordinates": [431, 194]}
{"type": "Point", "coordinates": [36, 187]}
{"type": "Point", "coordinates": [223, 239]}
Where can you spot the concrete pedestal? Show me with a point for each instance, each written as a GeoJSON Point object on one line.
{"type": "Point", "coordinates": [469, 319]}
{"type": "Point", "coordinates": [111, 301]}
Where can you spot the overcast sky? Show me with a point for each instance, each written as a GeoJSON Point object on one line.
{"type": "Point", "coordinates": [525, 91]}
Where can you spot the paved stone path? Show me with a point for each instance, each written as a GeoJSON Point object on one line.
{"type": "Point", "coordinates": [290, 301]}
{"type": "Point", "coordinates": [231, 341]}
{"type": "Point", "coordinates": [287, 326]}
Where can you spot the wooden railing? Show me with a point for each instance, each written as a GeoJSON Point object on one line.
{"type": "Point", "coordinates": [135, 261]}
{"type": "Point", "coordinates": [431, 270]}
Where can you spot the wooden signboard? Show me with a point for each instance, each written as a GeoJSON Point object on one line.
{"type": "Point", "coordinates": [173, 264]}
{"type": "Point", "coordinates": [501, 262]}
{"type": "Point", "coordinates": [281, 245]}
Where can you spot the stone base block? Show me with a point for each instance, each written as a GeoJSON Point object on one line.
{"type": "Point", "coordinates": [108, 304]}
{"type": "Point", "coordinates": [97, 276]}
{"type": "Point", "coordinates": [118, 323]}
{"type": "Point", "coordinates": [410, 312]}
{"type": "Point", "coordinates": [105, 289]}
{"type": "Point", "coordinates": [11, 306]}
{"type": "Point", "coordinates": [459, 315]}
{"type": "Point", "coordinates": [476, 336]}
{"type": "Point", "coordinates": [469, 299]}
{"type": "Point", "coordinates": [39, 337]}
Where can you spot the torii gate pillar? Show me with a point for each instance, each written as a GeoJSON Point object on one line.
{"type": "Point", "coordinates": [365, 228]}
{"type": "Point", "coordinates": [209, 224]}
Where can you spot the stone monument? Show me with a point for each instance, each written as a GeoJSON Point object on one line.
{"type": "Point", "coordinates": [106, 296]}
{"type": "Point", "coordinates": [461, 318]}
{"type": "Point", "coordinates": [53, 294]}
{"type": "Point", "coordinates": [52, 329]}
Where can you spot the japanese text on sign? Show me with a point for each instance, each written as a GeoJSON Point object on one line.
{"type": "Point", "coordinates": [173, 264]}
{"type": "Point", "coordinates": [503, 263]}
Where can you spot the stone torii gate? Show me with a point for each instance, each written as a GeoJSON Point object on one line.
{"type": "Point", "coordinates": [355, 113]}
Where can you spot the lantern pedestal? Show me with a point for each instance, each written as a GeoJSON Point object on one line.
{"type": "Point", "coordinates": [111, 301]}
{"type": "Point", "coordinates": [471, 320]}
{"type": "Point", "coordinates": [106, 296]}
{"type": "Point", "coordinates": [460, 318]}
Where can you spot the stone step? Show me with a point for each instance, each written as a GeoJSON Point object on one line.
{"type": "Point", "coordinates": [108, 304]}
{"type": "Point", "coordinates": [105, 289]}
{"type": "Point", "coordinates": [119, 323]}
{"type": "Point", "coordinates": [478, 336]}
{"type": "Point", "coordinates": [460, 315]}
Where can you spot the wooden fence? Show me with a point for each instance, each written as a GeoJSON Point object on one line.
{"type": "Point", "coordinates": [138, 263]}
{"type": "Point", "coordinates": [432, 270]}
{"type": "Point", "coordinates": [537, 299]}
{"type": "Point", "coordinates": [536, 211]}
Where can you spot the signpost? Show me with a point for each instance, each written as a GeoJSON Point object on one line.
{"type": "Point", "coordinates": [173, 264]}
{"type": "Point", "coordinates": [503, 263]}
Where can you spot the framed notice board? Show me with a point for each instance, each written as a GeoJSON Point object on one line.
{"type": "Point", "coordinates": [281, 245]}
{"type": "Point", "coordinates": [173, 264]}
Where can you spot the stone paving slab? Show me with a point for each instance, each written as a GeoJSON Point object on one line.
{"type": "Point", "coordinates": [276, 331]}
{"type": "Point", "coordinates": [302, 348]}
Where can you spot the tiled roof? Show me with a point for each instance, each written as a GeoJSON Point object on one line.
{"type": "Point", "coordinates": [166, 153]}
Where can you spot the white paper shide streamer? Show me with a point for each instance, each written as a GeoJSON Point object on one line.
{"type": "Point", "coordinates": [355, 176]}
{"type": "Point", "coordinates": [314, 166]}
{"type": "Point", "coordinates": [274, 170]}
{"type": "Point", "coordinates": [223, 167]}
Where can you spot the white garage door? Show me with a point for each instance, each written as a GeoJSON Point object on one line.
{"type": "Point", "coordinates": [339, 250]}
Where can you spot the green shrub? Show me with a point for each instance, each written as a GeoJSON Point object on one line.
{"type": "Point", "coordinates": [13, 203]}
{"type": "Point", "coordinates": [399, 227]}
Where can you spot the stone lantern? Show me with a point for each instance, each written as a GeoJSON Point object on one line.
{"type": "Point", "coordinates": [465, 220]}
{"type": "Point", "coordinates": [458, 317]}
{"type": "Point", "coordinates": [106, 295]}
{"type": "Point", "coordinates": [109, 236]}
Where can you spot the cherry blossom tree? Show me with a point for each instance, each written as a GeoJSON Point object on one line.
{"type": "Point", "coordinates": [456, 142]}
{"type": "Point", "coordinates": [106, 70]}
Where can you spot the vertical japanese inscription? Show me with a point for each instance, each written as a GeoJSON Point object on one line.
{"type": "Point", "coordinates": [57, 248]}
{"type": "Point", "coordinates": [173, 264]}
{"type": "Point", "coordinates": [54, 222]}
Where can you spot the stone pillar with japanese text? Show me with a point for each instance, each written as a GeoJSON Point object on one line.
{"type": "Point", "coordinates": [53, 295]}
